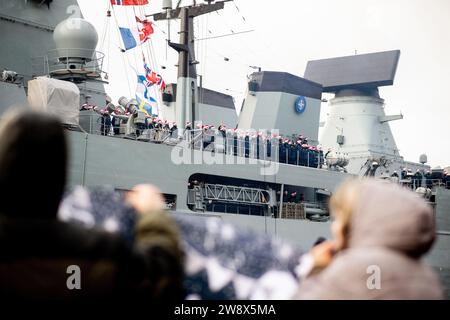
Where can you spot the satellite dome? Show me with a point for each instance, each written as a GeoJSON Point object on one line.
{"type": "Point", "coordinates": [423, 159]}
{"type": "Point", "coordinates": [75, 38]}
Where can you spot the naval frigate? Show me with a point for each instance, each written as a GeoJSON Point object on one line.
{"type": "Point", "coordinates": [234, 180]}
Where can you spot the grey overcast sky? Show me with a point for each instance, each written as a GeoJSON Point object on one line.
{"type": "Point", "coordinates": [288, 33]}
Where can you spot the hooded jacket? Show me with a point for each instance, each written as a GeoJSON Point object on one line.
{"type": "Point", "coordinates": [37, 256]}
{"type": "Point", "coordinates": [390, 230]}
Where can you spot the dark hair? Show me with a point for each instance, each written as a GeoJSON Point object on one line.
{"type": "Point", "coordinates": [319, 241]}
{"type": "Point", "coordinates": [33, 160]}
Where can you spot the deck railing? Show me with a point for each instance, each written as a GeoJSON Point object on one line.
{"type": "Point", "coordinates": [266, 149]}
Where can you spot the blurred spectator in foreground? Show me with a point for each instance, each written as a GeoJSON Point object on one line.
{"type": "Point", "coordinates": [40, 253]}
{"type": "Point", "coordinates": [381, 231]}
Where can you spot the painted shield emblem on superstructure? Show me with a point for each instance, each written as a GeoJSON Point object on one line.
{"type": "Point", "coordinates": [300, 104]}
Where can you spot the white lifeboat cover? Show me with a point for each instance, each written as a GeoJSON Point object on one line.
{"type": "Point", "coordinates": [57, 97]}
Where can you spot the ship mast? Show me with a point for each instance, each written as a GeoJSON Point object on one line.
{"type": "Point", "coordinates": [187, 91]}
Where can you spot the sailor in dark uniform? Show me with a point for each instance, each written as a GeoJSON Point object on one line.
{"type": "Point", "coordinates": [285, 196]}
{"type": "Point", "coordinates": [223, 132]}
{"type": "Point", "coordinates": [403, 174]}
{"type": "Point", "coordinates": [305, 140]}
{"type": "Point", "coordinates": [428, 180]}
{"type": "Point", "coordinates": [287, 146]}
{"type": "Point", "coordinates": [417, 179]}
{"type": "Point", "coordinates": [282, 151]}
{"type": "Point", "coordinates": [105, 126]}
{"type": "Point", "coordinates": [320, 156]}
{"type": "Point", "coordinates": [311, 157]}
{"type": "Point", "coordinates": [159, 128]}
{"type": "Point", "coordinates": [151, 123]}
{"type": "Point", "coordinates": [304, 155]}
{"type": "Point", "coordinates": [292, 153]}
{"type": "Point", "coordinates": [293, 197]}
{"type": "Point", "coordinates": [269, 147]}
{"type": "Point", "coordinates": [174, 130]}
{"type": "Point", "coordinates": [315, 155]}
{"type": "Point", "coordinates": [259, 141]}
{"type": "Point", "coordinates": [446, 179]}
{"type": "Point", "coordinates": [166, 125]}
{"type": "Point", "coordinates": [116, 121]}
{"type": "Point", "coordinates": [247, 145]}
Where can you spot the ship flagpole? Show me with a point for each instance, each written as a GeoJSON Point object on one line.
{"type": "Point", "coordinates": [186, 107]}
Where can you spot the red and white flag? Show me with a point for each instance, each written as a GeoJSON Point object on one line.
{"type": "Point", "coordinates": [129, 2]}
{"type": "Point", "coordinates": [136, 36]}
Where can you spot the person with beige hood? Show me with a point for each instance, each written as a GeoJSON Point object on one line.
{"type": "Point", "coordinates": [381, 231]}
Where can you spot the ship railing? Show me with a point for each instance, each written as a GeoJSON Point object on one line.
{"type": "Point", "coordinates": [299, 157]}
{"type": "Point", "coordinates": [252, 147]}
{"type": "Point", "coordinates": [95, 124]}
{"type": "Point", "coordinates": [215, 142]}
{"type": "Point", "coordinates": [81, 63]}
{"type": "Point", "coordinates": [414, 183]}
{"type": "Point", "coordinates": [265, 149]}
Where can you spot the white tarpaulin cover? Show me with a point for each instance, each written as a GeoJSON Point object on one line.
{"type": "Point", "coordinates": [57, 97]}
